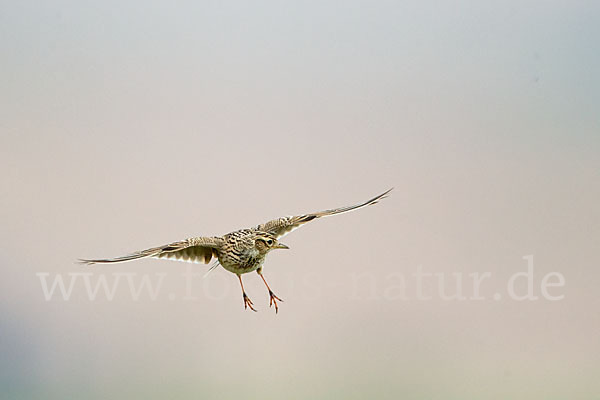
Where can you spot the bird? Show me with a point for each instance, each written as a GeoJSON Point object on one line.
{"type": "Point", "coordinates": [239, 252]}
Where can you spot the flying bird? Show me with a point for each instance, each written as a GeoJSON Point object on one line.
{"type": "Point", "coordinates": [241, 251]}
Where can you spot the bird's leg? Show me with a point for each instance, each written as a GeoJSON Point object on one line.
{"type": "Point", "coordinates": [247, 301]}
{"type": "Point", "coordinates": [274, 298]}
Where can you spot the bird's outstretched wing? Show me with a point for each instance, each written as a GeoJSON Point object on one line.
{"type": "Point", "coordinates": [196, 250]}
{"type": "Point", "coordinates": [282, 226]}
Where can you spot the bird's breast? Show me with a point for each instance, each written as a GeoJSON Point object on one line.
{"type": "Point", "coordinates": [243, 262]}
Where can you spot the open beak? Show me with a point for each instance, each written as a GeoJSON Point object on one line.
{"type": "Point", "coordinates": [281, 246]}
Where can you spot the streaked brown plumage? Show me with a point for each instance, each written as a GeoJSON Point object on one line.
{"type": "Point", "coordinates": [240, 251]}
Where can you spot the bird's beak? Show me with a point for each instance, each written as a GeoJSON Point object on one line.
{"type": "Point", "coordinates": [281, 246]}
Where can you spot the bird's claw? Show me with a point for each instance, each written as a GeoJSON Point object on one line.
{"type": "Point", "coordinates": [273, 300]}
{"type": "Point", "coordinates": [248, 303]}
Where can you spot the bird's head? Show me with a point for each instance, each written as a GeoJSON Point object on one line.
{"type": "Point", "coordinates": [265, 242]}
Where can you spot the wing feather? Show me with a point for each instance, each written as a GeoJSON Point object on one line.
{"type": "Point", "coordinates": [196, 250]}
{"type": "Point", "coordinates": [282, 226]}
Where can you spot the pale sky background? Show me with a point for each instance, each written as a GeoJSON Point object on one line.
{"type": "Point", "coordinates": [126, 125]}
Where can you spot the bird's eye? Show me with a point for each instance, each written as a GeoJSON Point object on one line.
{"type": "Point", "coordinates": [269, 242]}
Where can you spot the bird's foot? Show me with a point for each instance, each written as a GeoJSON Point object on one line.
{"type": "Point", "coordinates": [248, 303]}
{"type": "Point", "coordinates": [274, 301]}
